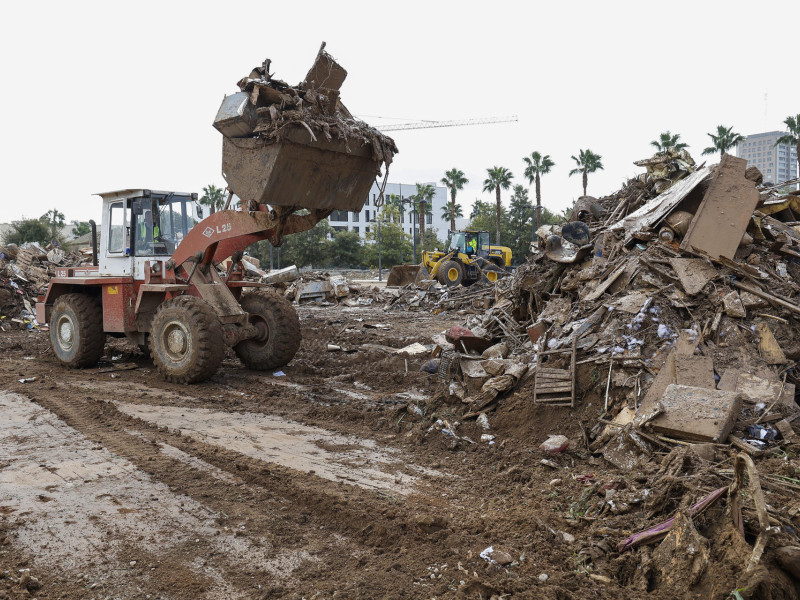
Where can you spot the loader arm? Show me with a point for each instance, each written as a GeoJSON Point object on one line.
{"type": "Point", "coordinates": [219, 235]}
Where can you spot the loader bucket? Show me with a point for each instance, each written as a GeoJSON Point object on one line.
{"type": "Point", "coordinates": [406, 274]}
{"type": "Point", "coordinates": [300, 171]}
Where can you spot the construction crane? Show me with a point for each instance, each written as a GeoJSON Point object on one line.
{"type": "Point", "coordinates": [427, 124]}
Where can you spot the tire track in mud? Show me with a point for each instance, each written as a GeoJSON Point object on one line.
{"type": "Point", "coordinates": [337, 523]}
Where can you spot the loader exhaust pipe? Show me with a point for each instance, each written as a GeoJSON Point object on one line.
{"type": "Point", "coordinates": [94, 241]}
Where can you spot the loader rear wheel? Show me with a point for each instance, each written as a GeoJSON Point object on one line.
{"type": "Point", "coordinates": [279, 331]}
{"type": "Point", "coordinates": [186, 340]}
{"type": "Point", "coordinates": [451, 273]}
{"type": "Point", "coordinates": [497, 261]}
{"type": "Point", "coordinates": [492, 273]}
{"type": "Point", "coordinates": [76, 330]}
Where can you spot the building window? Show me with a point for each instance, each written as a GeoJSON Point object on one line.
{"type": "Point", "coordinates": [428, 219]}
{"type": "Point", "coordinates": [339, 228]}
{"type": "Point", "coordinates": [366, 229]}
{"type": "Point", "coordinates": [366, 216]}
{"type": "Point", "coordinates": [355, 217]}
{"type": "Point", "coordinates": [338, 215]}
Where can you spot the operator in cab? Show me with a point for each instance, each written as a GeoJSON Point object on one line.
{"type": "Point", "coordinates": [472, 246]}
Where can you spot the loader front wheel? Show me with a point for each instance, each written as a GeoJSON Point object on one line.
{"type": "Point", "coordinates": [76, 330]}
{"type": "Point", "coordinates": [279, 331]}
{"type": "Point", "coordinates": [451, 273]}
{"type": "Point", "coordinates": [492, 273]}
{"type": "Point", "coordinates": [186, 340]}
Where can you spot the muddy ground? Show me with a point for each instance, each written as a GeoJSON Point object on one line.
{"type": "Point", "coordinates": [317, 483]}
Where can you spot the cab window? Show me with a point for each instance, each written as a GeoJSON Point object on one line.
{"type": "Point", "coordinates": [116, 228]}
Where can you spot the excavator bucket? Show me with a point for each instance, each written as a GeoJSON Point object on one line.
{"type": "Point", "coordinates": [300, 171]}
{"type": "Point", "coordinates": [402, 275]}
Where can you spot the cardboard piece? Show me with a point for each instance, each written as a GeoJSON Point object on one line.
{"type": "Point", "coordinates": [722, 217]}
{"type": "Point", "coordinates": [697, 414]}
{"type": "Point", "coordinates": [694, 273]}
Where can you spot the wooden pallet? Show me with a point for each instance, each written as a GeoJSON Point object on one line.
{"type": "Point", "coordinates": [555, 387]}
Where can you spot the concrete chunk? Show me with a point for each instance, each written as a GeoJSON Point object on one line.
{"type": "Point", "coordinates": [697, 414]}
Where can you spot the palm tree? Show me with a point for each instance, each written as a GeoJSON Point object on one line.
{"type": "Point", "coordinates": [724, 140]}
{"type": "Point", "coordinates": [538, 165]}
{"type": "Point", "coordinates": [449, 210]}
{"type": "Point", "coordinates": [793, 137]}
{"type": "Point", "coordinates": [668, 140]}
{"type": "Point", "coordinates": [55, 220]}
{"type": "Point", "coordinates": [213, 198]}
{"type": "Point", "coordinates": [499, 178]}
{"type": "Point", "coordinates": [588, 162]}
{"type": "Point", "coordinates": [453, 180]}
{"type": "Point", "coordinates": [424, 195]}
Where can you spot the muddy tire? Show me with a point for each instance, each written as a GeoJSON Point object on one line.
{"type": "Point", "coordinates": [497, 261]}
{"type": "Point", "coordinates": [186, 341]}
{"type": "Point", "coordinates": [76, 330]}
{"type": "Point", "coordinates": [492, 273]}
{"type": "Point", "coordinates": [279, 327]}
{"type": "Point", "coordinates": [451, 273]}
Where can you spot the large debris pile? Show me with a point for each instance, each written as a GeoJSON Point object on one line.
{"type": "Point", "coordinates": [677, 317]}
{"type": "Point", "coordinates": [24, 271]}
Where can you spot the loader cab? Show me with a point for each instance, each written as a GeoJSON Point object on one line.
{"type": "Point", "coordinates": [470, 242]}
{"type": "Point", "coordinates": [142, 225]}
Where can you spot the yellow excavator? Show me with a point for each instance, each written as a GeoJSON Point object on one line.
{"type": "Point", "coordinates": [469, 257]}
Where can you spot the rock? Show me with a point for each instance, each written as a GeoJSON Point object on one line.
{"type": "Point", "coordinates": [28, 582]}
{"type": "Point", "coordinates": [555, 482]}
{"type": "Point", "coordinates": [733, 305]}
{"type": "Point", "coordinates": [555, 444]}
{"type": "Point", "coordinates": [568, 537]}
{"type": "Point", "coordinates": [544, 577]}
{"type": "Point", "coordinates": [502, 558]}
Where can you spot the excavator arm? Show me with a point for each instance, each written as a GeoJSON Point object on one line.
{"type": "Point", "coordinates": [225, 232]}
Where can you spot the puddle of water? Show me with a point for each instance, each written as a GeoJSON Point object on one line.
{"type": "Point", "coordinates": [281, 441]}
{"type": "Point", "coordinates": [74, 503]}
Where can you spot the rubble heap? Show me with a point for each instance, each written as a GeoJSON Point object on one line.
{"type": "Point", "coordinates": [677, 318]}
{"type": "Point", "coordinates": [24, 272]}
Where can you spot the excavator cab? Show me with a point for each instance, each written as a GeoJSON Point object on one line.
{"type": "Point", "coordinates": [158, 224]}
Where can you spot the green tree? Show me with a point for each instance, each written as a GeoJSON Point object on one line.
{"type": "Point", "coordinates": [588, 162]}
{"type": "Point", "coordinates": [395, 244]}
{"type": "Point", "coordinates": [485, 217]}
{"type": "Point", "coordinates": [537, 165]}
{"type": "Point", "coordinates": [213, 197]}
{"type": "Point", "coordinates": [498, 178]}
{"type": "Point", "coordinates": [723, 140]}
{"type": "Point", "coordinates": [430, 240]}
{"type": "Point", "coordinates": [520, 220]}
{"type": "Point", "coordinates": [55, 221]}
{"type": "Point", "coordinates": [346, 249]}
{"type": "Point", "coordinates": [393, 209]}
{"type": "Point", "coordinates": [669, 140]}
{"type": "Point", "coordinates": [80, 228]}
{"type": "Point", "coordinates": [452, 210]}
{"type": "Point", "coordinates": [309, 248]}
{"type": "Point", "coordinates": [478, 208]}
{"type": "Point", "coordinates": [29, 230]}
{"type": "Point", "coordinates": [793, 137]}
{"type": "Point", "coordinates": [454, 180]}
{"type": "Point", "coordinates": [423, 197]}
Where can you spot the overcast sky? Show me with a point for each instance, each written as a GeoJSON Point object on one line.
{"type": "Point", "coordinates": [100, 96]}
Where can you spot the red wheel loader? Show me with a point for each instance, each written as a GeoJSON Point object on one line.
{"type": "Point", "coordinates": [155, 277]}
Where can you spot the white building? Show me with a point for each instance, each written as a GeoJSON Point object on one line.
{"type": "Point", "coordinates": [776, 163]}
{"type": "Point", "coordinates": [364, 220]}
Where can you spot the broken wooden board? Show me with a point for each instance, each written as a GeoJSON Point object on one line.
{"type": "Point", "coordinates": [757, 389]}
{"type": "Point", "coordinates": [694, 273]}
{"type": "Point", "coordinates": [695, 371]}
{"type": "Point", "coordinates": [684, 346]}
{"type": "Point", "coordinates": [727, 207]}
{"type": "Point", "coordinates": [600, 289]}
{"type": "Point", "coordinates": [631, 304]}
{"type": "Point", "coordinates": [326, 72]}
{"type": "Point", "coordinates": [659, 207]}
{"type": "Point", "coordinates": [697, 414]}
{"type": "Point", "coordinates": [768, 346]}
